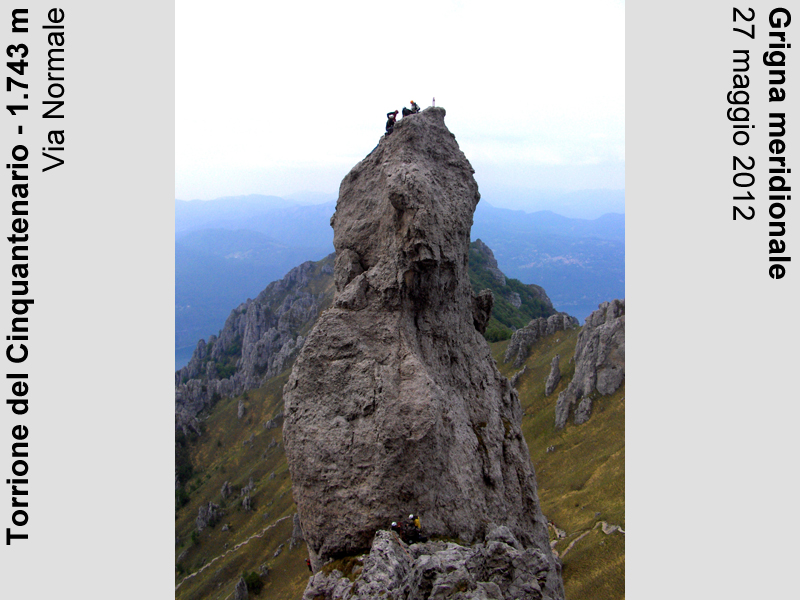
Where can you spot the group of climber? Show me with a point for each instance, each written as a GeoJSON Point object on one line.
{"type": "Point", "coordinates": [410, 530]}
{"type": "Point", "coordinates": [392, 116]}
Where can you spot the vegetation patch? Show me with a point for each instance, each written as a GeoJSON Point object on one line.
{"type": "Point", "coordinates": [346, 565]}
{"type": "Point", "coordinates": [505, 317]}
{"type": "Point", "coordinates": [253, 582]}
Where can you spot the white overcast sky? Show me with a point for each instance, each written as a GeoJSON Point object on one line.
{"type": "Point", "coordinates": [284, 97]}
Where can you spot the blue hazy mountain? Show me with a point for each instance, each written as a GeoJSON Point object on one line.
{"type": "Point", "coordinates": [580, 204]}
{"type": "Point", "coordinates": [228, 250]}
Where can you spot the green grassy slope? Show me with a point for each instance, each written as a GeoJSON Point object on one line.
{"type": "Point", "coordinates": [225, 452]}
{"type": "Point", "coordinates": [582, 477]}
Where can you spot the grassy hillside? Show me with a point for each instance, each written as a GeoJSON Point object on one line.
{"type": "Point", "coordinates": [582, 478]}
{"type": "Point", "coordinates": [581, 484]}
{"type": "Point", "coordinates": [505, 317]}
{"type": "Point", "coordinates": [208, 563]}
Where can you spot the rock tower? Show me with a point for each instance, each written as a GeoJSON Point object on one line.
{"type": "Point", "coordinates": [395, 405]}
{"type": "Point", "coordinates": [599, 363]}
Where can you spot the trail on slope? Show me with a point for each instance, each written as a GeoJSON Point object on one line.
{"type": "Point", "coordinates": [234, 549]}
{"type": "Point", "coordinates": [607, 528]}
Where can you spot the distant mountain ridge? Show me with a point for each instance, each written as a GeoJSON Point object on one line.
{"type": "Point", "coordinates": [281, 220]}
{"type": "Point", "coordinates": [578, 204]}
{"type": "Point", "coordinates": [610, 226]}
{"type": "Point", "coordinates": [580, 262]}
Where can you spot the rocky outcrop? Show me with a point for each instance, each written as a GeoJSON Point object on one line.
{"type": "Point", "coordinates": [207, 516]}
{"type": "Point", "coordinates": [226, 490]}
{"type": "Point", "coordinates": [260, 339]}
{"type": "Point", "coordinates": [519, 347]}
{"type": "Point", "coordinates": [599, 362]}
{"type": "Point", "coordinates": [554, 377]}
{"type": "Point", "coordinates": [274, 422]}
{"type": "Point", "coordinates": [491, 262]}
{"type": "Point", "coordinates": [297, 532]}
{"type": "Point", "coordinates": [518, 375]}
{"type": "Point", "coordinates": [497, 569]}
{"type": "Point", "coordinates": [249, 487]}
{"type": "Point", "coordinates": [482, 310]}
{"type": "Point", "coordinates": [240, 591]}
{"type": "Point", "coordinates": [395, 404]}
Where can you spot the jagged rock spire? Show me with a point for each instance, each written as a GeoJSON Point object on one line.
{"type": "Point", "coordinates": [395, 404]}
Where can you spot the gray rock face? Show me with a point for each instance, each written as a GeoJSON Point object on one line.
{"type": "Point", "coordinates": [274, 422]}
{"type": "Point", "coordinates": [226, 490]}
{"type": "Point", "coordinates": [519, 347]}
{"type": "Point", "coordinates": [517, 376]}
{"type": "Point", "coordinates": [498, 569]}
{"type": "Point", "coordinates": [395, 404]}
{"type": "Point", "coordinates": [297, 532]}
{"type": "Point", "coordinates": [599, 362]}
{"type": "Point", "coordinates": [259, 340]}
{"type": "Point", "coordinates": [249, 487]}
{"type": "Point", "coordinates": [240, 591]}
{"type": "Point", "coordinates": [554, 377]}
{"type": "Point", "coordinates": [482, 310]}
{"type": "Point", "coordinates": [207, 516]}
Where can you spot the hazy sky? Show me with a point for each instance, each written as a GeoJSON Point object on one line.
{"type": "Point", "coordinates": [277, 98]}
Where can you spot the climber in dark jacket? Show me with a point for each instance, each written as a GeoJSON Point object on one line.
{"type": "Point", "coordinates": [412, 529]}
{"type": "Point", "coordinates": [391, 116]}
{"type": "Point", "coordinates": [414, 109]}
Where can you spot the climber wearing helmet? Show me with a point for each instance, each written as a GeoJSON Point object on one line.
{"type": "Point", "coordinates": [401, 530]}
{"type": "Point", "coordinates": [414, 109]}
{"type": "Point", "coordinates": [413, 529]}
{"type": "Point", "coordinates": [391, 116]}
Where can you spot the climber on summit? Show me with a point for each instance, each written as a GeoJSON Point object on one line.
{"type": "Point", "coordinates": [414, 109]}
{"type": "Point", "coordinates": [391, 116]}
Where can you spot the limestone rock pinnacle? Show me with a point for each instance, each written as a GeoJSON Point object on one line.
{"type": "Point", "coordinates": [395, 405]}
